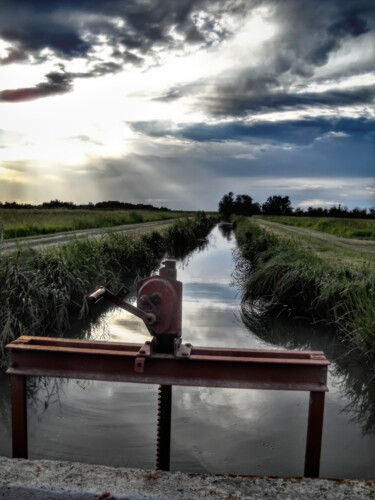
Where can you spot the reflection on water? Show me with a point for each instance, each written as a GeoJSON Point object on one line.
{"type": "Point", "coordinates": [349, 372]}
{"type": "Point", "coordinates": [215, 430]}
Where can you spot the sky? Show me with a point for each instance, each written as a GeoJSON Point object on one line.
{"type": "Point", "coordinates": [177, 102]}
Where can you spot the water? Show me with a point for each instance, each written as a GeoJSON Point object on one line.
{"type": "Point", "coordinates": [213, 430]}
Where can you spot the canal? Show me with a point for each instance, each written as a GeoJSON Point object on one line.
{"type": "Point", "coordinates": [213, 430]}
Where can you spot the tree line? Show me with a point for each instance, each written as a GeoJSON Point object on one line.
{"type": "Point", "coordinates": [243, 204]}
{"type": "Point", "coordinates": [102, 205]}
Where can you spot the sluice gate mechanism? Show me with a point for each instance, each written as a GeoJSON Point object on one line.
{"type": "Point", "coordinates": [166, 361]}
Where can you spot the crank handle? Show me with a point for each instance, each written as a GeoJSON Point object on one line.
{"type": "Point", "coordinates": [96, 296]}
{"type": "Point", "coordinates": [149, 318]}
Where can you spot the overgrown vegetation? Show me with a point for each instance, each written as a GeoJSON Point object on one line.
{"type": "Point", "coordinates": [278, 276]}
{"type": "Point", "coordinates": [41, 290]}
{"type": "Point", "coordinates": [346, 228]}
{"type": "Point", "coordinates": [31, 222]}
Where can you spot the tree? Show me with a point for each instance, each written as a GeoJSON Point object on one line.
{"type": "Point", "coordinates": [358, 213]}
{"type": "Point", "coordinates": [338, 211]}
{"type": "Point", "coordinates": [277, 205]}
{"type": "Point", "coordinates": [243, 205]}
{"type": "Point", "coordinates": [226, 206]}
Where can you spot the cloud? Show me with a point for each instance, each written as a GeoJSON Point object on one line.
{"type": "Point", "coordinates": [310, 32]}
{"type": "Point", "coordinates": [72, 29]}
{"type": "Point", "coordinates": [295, 132]}
{"type": "Point", "coordinates": [140, 33]}
{"type": "Point", "coordinates": [13, 55]}
{"type": "Point", "coordinates": [56, 83]}
{"type": "Point", "coordinates": [106, 36]}
{"type": "Point", "coordinates": [316, 203]}
{"type": "Point", "coordinates": [209, 96]}
{"type": "Point", "coordinates": [259, 96]}
{"type": "Point", "coordinates": [33, 27]}
{"type": "Point", "coordinates": [307, 35]}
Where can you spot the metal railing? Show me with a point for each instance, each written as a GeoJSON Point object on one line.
{"type": "Point", "coordinates": [203, 367]}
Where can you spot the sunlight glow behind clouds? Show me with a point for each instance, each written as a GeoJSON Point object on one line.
{"type": "Point", "coordinates": [221, 95]}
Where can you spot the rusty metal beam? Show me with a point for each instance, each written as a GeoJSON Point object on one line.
{"type": "Point", "coordinates": [206, 367]}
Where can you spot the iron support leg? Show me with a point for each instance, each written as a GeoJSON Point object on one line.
{"type": "Point", "coordinates": [314, 434]}
{"type": "Point", "coordinates": [19, 416]}
{"type": "Point", "coordinates": [164, 427]}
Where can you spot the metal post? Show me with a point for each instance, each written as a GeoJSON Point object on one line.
{"type": "Point", "coordinates": [163, 447]}
{"type": "Point", "coordinates": [19, 416]}
{"type": "Point", "coordinates": [314, 434]}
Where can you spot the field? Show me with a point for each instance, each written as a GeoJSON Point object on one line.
{"type": "Point", "coordinates": [335, 250]}
{"type": "Point", "coordinates": [32, 222]}
{"type": "Point", "coordinates": [345, 228]}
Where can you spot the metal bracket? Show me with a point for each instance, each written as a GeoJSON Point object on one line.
{"type": "Point", "coordinates": [144, 352]}
{"type": "Point", "coordinates": [183, 350]}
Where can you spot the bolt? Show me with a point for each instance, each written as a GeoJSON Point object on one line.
{"type": "Point", "coordinates": [143, 300]}
{"type": "Point", "coordinates": [156, 298]}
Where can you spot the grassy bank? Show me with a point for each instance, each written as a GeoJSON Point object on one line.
{"type": "Point", "coordinates": [291, 280]}
{"type": "Point", "coordinates": [32, 222]}
{"type": "Point", "coordinates": [345, 228]}
{"type": "Point", "coordinates": [41, 290]}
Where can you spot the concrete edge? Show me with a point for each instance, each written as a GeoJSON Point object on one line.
{"type": "Point", "coordinates": [43, 479]}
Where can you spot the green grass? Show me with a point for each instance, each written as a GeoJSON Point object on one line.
{"type": "Point", "coordinates": [32, 222]}
{"type": "Point", "coordinates": [291, 280]}
{"type": "Point", "coordinates": [345, 228]}
{"type": "Point", "coordinates": [41, 291]}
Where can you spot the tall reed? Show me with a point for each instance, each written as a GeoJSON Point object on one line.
{"type": "Point", "coordinates": [293, 281]}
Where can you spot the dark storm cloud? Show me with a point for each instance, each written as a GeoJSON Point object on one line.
{"type": "Point", "coordinates": [79, 28]}
{"type": "Point", "coordinates": [31, 31]}
{"type": "Point", "coordinates": [308, 33]}
{"type": "Point", "coordinates": [71, 28]}
{"type": "Point", "coordinates": [14, 55]}
{"type": "Point", "coordinates": [259, 97]}
{"type": "Point", "coordinates": [99, 69]}
{"type": "Point", "coordinates": [296, 132]}
{"type": "Point", "coordinates": [56, 83]}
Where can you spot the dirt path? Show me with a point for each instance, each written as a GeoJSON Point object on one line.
{"type": "Point", "coordinates": [327, 245]}
{"type": "Point", "coordinates": [61, 238]}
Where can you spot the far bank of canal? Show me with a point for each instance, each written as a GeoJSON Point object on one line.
{"type": "Point", "coordinates": [213, 430]}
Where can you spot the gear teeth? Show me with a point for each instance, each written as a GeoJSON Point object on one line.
{"type": "Point", "coordinates": [163, 427]}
